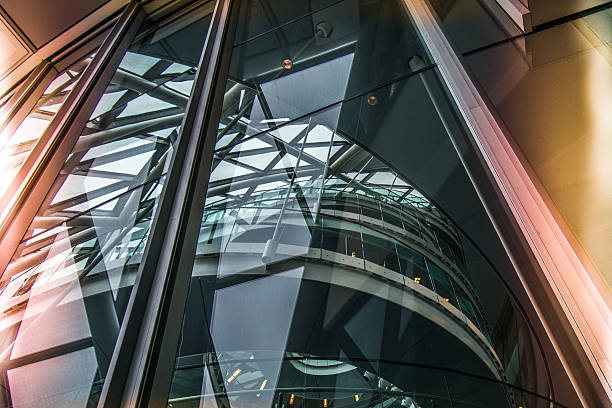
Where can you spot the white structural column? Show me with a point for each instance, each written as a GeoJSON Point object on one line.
{"type": "Point", "coordinates": [577, 285]}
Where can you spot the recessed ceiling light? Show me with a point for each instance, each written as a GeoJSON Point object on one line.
{"type": "Point", "coordinates": [287, 63]}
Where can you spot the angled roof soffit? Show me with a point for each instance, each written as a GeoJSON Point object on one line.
{"type": "Point", "coordinates": [19, 56]}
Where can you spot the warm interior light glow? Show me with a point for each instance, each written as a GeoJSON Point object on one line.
{"type": "Point", "coordinates": [372, 100]}
{"type": "Point", "coordinates": [287, 63]}
{"type": "Point", "coordinates": [356, 397]}
{"type": "Point", "coordinates": [291, 399]}
{"type": "Point", "coordinates": [596, 146]}
{"type": "Point", "coordinates": [325, 402]}
{"type": "Point", "coordinates": [263, 384]}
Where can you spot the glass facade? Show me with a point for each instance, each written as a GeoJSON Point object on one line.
{"type": "Point", "coordinates": [68, 284]}
{"type": "Point", "coordinates": [23, 135]}
{"type": "Point", "coordinates": [23, 139]}
{"type": "Point", "coordinates": [298, 208]}
{"type": "Point", "coordinates": [336, 247]}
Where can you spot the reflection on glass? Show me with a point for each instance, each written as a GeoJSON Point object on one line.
{"type": "Point", "coordinates": [239, 379]}
{"type": "Point", "coordinates": [247, 215]}
{"type": "Point", "coordinates": [51, 375]}
{"type": "Point", "coordinates": [67, 287]}
{"type": "Point", "coordinates": [323, 276]}
{"type": "Point", "coordinates": [16, 143]}
{"type": "Point", "coordinates": [316, 60]}
{"type": "Point", "coordinates": [69, 290]}
{"type": "Point", "coordinates": [303, 195]}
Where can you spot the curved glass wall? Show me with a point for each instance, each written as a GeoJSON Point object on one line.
{"type": "Point", "coordinates": [345, 223]}
{"type": "Point", "coordinates": [408, 236]}
{"type": "Point", "coordinates": [316, 256]}
{"type": "Point", "coordinates": [310, 381]}
{"type": "Point", "coordinates": [344, 256]}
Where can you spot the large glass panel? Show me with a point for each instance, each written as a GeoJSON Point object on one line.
{"type": "Point", "coordinates": [442, 283]}
{"type": "Point", "coordinates": [326, 271]}
{"type": "Point", "coordinates": [380, 250]}
{"type": "Point", "coordinates": [318, 60]}
{"type": "Point", "coordinates": [67, 287]}
{"type": "Point", "coordinates": [18, 140]}
{"type": "Point", "coordinates": [286, 267]}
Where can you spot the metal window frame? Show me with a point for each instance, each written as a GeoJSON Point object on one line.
{"type": "Point", "coordinates": [27, 92]}
{"type": "Point", "coordinates": [23, 93]}
{"type": "Point", "coordinates": [142, 364]}
{"type": "Point", "coordinates": [26, 87]}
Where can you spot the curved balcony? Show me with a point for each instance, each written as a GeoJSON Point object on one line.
{"type": "Point", "coordinates": [362, 252]}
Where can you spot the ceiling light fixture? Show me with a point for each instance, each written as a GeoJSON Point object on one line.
{"type": "Point", "coordinates": [287, 63]}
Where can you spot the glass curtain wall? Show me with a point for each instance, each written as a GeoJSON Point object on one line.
{"type": "Point", "coordinates": [66, 289]}
{"type": "Point", "coordinates": [20, 137]}
{"type": "Point", "coordinates": [326, 272]}
{"type": "Point", "coordinates": [344, 257]}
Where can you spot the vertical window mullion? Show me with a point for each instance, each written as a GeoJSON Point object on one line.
{"type": "Point", "coordinates": [142, 364]}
